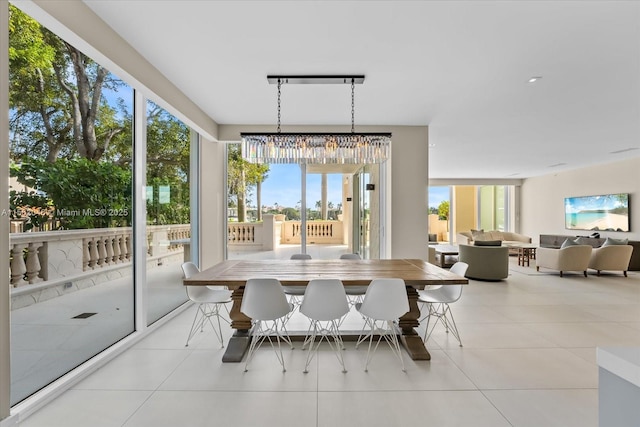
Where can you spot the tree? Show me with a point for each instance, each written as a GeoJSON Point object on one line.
{"type": "Point", "coordinates": [73, 148]}
{"type": "Point", "coordinates": [241, 176]}
{"type": "Point", "coordinates": [56, 95]}
{"type": "Point", "coordinates": [443, 210]}
{"type": "Point", "coordinates": [72, 196]}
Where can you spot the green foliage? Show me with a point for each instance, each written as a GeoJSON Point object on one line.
{"type": "Point", "coordinates": [443, 210]}
{"type": "Point", "coordinates": [242, 176]}
{"type": "Point", "coordinates": [72, 149]}
{"type": "Point", "coordinates": [292, 214]}
{"type": "Point", "coordinates": [80, 193]}
{"type": "Point", "coordinates": [33, 208]}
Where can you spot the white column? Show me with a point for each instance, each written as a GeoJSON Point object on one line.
{"type": "Point", "coordinates": [140, 209]}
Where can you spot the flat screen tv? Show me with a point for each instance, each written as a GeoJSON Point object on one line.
{"type": "Point", "coordinates": [607, 212]}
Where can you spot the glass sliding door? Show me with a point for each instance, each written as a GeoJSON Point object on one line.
{"type": "Point", "coordinates": [71, 275]}
{"type": "Point", "coordinates": [264, 208]}
{"type": "Point", "coordinates": [439, 213]}
{"type": "Point", "coordinates": [168, 210]}
{"type": "Point", "coordinates": [493, 207]}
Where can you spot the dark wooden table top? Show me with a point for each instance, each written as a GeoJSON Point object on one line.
{"type": "Point", "coordinates": [415, 272]}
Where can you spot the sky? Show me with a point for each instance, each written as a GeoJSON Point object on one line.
{"type": "Point", "coordinates": [437, 195]}
{"type": "Point", "coordinates": [282, 186]}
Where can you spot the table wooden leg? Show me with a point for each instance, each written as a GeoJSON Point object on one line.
{"type": "Point", "coordinates": [241, 338]}
{"type": "Point", "coordinates": [409, 338]}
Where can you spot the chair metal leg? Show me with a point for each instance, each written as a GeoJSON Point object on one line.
{"type": "Point", "coordinates": [259, 334]}
{"type": "Point", "coordinates": [442, 313]}
{"type": "Point", "coordinates": [204, 313]}
{"type": "Point", "coordinates": [390, 336]}
{"type": "Point", "coordinates": [328, 332]}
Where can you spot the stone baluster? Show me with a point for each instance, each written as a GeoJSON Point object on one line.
{"type": "Point", "coordinates": [128, 246]}
{"type": "Point", "coordinates": [102, 250]}
{"type": "Point", "coordinates": [116, 259]}
{"type": "Point", "coordinates": [86, 254]}
{"type": "Point", "coordinates": [33, 262]}
{"type": "Point", "coordinates": [108, 243]}
{"type": "Point", "coordinates": [93, 252]}
{"type": "Point", "coordinates": [18, 267]}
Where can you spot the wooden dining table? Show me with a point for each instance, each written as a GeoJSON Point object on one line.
{"type": "Point", "coordinates": [415, 272]}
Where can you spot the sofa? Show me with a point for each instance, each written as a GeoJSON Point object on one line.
{"type": "Point", "coordinates": [611, 258]}
{"type": "Point", "coordinates": [468, 237]}
{"type": "Point", "coordinates": [485, 262]}
{"type": "Point", "coordinates": [570, 258]}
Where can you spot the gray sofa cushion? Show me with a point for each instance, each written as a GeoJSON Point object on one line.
{"type": "Point", "coordinates": [487, 242]}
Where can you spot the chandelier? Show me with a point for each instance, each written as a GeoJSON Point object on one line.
{"type": "Point", "coordinates": [316, 147]}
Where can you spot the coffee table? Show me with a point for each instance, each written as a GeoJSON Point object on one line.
{"type": "Point", "coordinates": [442, 251]}
{"type": "Point", "coordinates": [526, 252]}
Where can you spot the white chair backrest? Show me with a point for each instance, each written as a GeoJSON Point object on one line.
{"type": "Point", "coordinates": [300, 256]}
{"type": "Point", "coordinates": [264, 299]}
{"type": "Point", "coordinates": [324, 299]}
{"type": "Point", "coordinates": [386, 299]}
{"type": "Point", "coordinates": [350, 256]}
{"type": "Point", "coordinates": [459, 268]}
{"type": "Point", "coordinates": [190, 269]}
{"type": "Point", "coordinates": [453, 292]}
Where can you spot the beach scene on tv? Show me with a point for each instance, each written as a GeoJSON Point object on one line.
{"type": "Point", "coordinates": [609, 212]}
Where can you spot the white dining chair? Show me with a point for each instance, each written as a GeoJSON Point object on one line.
{"type": "Point", "coordinates": [384, 303]}
{"type": "Point", "coordinates": [266, 304]}
{"type": "Point", "coordinates": [355, 293]}
{"type": "Point", "coordinates": [208, 301]}
{"type": "Point", "coordinates": [324, 303]}
{"type": "Point", "coordinates": [437, 302]}
{"type": "Point", "coordinates": [295, 293]}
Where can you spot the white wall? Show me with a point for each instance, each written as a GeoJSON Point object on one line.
{"type": "Point", "coordinates": [543, 197]}
{"type": "Point", "coordinates": [406, 208]}
{"type": "Point", "coordinates": [213, 204]}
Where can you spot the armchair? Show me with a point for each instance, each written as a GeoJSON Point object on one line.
{"type": "Point", "coordinates": [570, 258]}
{"type": "Point", "coordinates": [612, 258]}
{"type": "Point", "coordinates": [485, 262]}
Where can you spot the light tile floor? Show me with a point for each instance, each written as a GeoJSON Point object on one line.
{"type": "Point", "coordinates": [528, 360]}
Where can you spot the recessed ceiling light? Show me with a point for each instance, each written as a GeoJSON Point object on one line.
{"type": "Point", "coordinates": [431, 145]}
{"type": "Point", "coordinates": [534, 79]}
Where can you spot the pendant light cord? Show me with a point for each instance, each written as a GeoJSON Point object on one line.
{"type": "Point", "coordinates": [353, 103]}
{"type": "Point", "coordinates": [279, 93]}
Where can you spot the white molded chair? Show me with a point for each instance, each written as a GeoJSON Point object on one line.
{"type": "Point", "coordinates": [356, 293]}
{"type": "Point", "coordinates": [324, 303]}
{"type": "Point", "coordinates": [438, 301]}
{"type": "Point", "coordinates": [385, 302]}
{"type": "Point", "coordinates": [208, 303]}
{"type": "Point", "coordinates": [265, 303]}
{"type": "Point", "coordinates": [295, 293]}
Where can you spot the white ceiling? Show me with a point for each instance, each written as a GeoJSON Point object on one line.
{"type": "Point", "coordinates": [460, 67]}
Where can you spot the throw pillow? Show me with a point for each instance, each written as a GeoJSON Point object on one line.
{"type": "Point", "coordinates": [476, 233]}
{"type": "Point", "coordinates": [610, 242]}
{"type": "Point", "coordinates": [568, 242]}
{"type": "Point", "coordinates": [487, 242]}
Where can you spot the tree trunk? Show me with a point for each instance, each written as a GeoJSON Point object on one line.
{"type": "Point", "coordinates": [259, 199]}
{"type": "Point", "coordinates": [242, 209]}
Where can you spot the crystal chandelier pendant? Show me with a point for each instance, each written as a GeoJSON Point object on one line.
{"type": "Point", "coordinates": [316, 148]}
